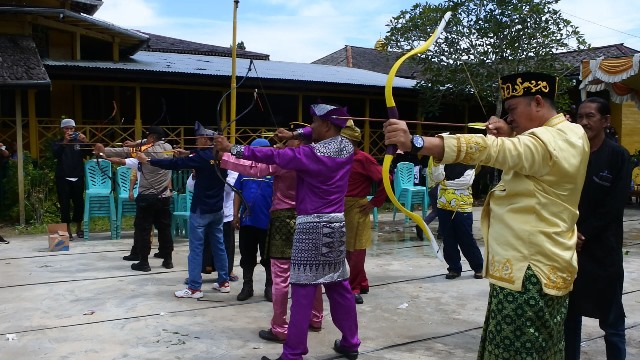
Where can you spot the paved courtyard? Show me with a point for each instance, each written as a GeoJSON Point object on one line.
{"type": "Point", "coordinates": [412, 312]}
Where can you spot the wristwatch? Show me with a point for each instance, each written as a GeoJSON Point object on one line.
{"type": "Point", "coordinates": [417, 143]}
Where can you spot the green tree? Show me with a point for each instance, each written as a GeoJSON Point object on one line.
{"type": "Point", "coordinates": [484, 40]}
{"type": "Point", "coordinates": [241, 46]}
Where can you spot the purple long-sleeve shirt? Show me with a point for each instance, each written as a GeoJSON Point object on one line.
{"type": "Point", "coordinates": [321, 179]}
{"type": "Point", "coordinates": [284, 181]}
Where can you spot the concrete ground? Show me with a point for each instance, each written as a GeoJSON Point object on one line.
{"type": "Point", "coordinates": [412, 312]}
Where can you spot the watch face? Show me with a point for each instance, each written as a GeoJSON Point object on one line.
{"type": "Point", "coordinates": [418, 141]}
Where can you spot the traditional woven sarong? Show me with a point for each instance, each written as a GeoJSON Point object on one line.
{"type": "Point", "coordinates": [523, 325]}
{"type": "Point", "coordinates": [281, 229]}
{"type": "Point", "coordinates": [358, 224]}
{"type": "Point", "coordinates": [318, 254]}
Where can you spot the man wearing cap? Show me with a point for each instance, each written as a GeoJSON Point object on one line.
{"type": "Point", "coordinates": [529, 218]}
{"type": "Point", "coordinates": [280, 238]}
{"type": "Point", "coordinates": [252, 219]}
{"type": "Point", "coordinates": [365, 170]}
{"type": "Point", "coordinates": [70, 175]}
{"type": "Point", "coordinates": [152, 202]}
{"type": "Point", "coordinates": [318, 255]}
{"type": "Point", "coordinates": [206, 214]}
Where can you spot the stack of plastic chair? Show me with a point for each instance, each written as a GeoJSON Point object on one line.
{"type": "Point", "coordinates": [98, 199]}
{"type": "Point", "coordinates": [375, 213]}
{"type": "Point", "coordinates": [124, 206]}
{"type": "Point", "coordinates": [406, 192]}
{"type": "Point", "coordinates": [180, 215]}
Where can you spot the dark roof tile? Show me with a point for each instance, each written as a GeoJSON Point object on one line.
{"type": "Point", "coordinates": [20, 63]}
{"type": "Point", "coordinates": [159, 43]}
{"type": "Point", "coordinates": [370, 59]}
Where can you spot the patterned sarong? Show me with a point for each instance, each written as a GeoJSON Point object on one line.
{"type": "Point", "coordinates": [280, 239]}
{"type": "Point", "coordinates": [358, 224]}
{"type": "Point", "coordinates": [318, 254]}
{"type": "Point", "coordinates": [523, 325]}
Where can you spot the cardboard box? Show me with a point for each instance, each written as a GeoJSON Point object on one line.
{"type": "Point", "coordinates": [58, 237]}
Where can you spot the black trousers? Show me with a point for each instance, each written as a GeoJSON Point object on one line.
{"type": "Point", "coordinates": [70, 192]}
{"type": "Point", "coordinates": [251, 240]}
{"type": "Point", "coordinates": [151, 211]}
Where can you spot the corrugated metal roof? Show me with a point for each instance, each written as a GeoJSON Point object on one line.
{"type": "Point", "coordinates": [221, 66]}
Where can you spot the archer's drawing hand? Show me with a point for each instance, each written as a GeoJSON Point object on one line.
{"type": "Point", "coordinates": [142, 158]}
{"type": "Point", "coordinates": [498, 127]}
{"type": "Point", "coordinates": [129, 143]}
{"type": "Point", "coordinates": [98, 149]}
{"type": "Point", "coordinates": [181, 152]}
{"type": "Point", "coordinates": [221, 144]}
{"type": "Point", "coordinates": [283, 135]}
{"type": "Point", "coordinates": [397, 133]}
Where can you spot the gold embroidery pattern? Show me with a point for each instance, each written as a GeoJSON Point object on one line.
{"type": "Point", "coordinates": [474, 145]}
{"type": "Point", "coordinates": [502, 272]}
{"type": "Point", "coordinates": [509, 91]}
{"type": "Point", "coordinates": [557, 281]}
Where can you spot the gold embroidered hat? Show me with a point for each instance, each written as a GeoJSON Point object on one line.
{"type": "Point", "coordinates": [528, 84]}
{"type": "Point", "coordinates": [351, 132]}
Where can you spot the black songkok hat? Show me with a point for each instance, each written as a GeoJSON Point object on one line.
{"type": "Point", "coordinates": [295, 125]}
{"type": "Point", "coordinates": [528, 84]}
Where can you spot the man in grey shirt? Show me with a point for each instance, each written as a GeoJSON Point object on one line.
{"type": "Point", "coordinates": [152, 202]}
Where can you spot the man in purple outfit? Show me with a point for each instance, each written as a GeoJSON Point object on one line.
{"type": "Point", "coordinates": [318, 255]}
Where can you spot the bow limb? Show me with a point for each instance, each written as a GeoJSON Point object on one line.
{"type": "Point", "coordinates": [392, 112]}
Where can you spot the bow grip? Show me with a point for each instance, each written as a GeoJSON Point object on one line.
{"type": "Point", "coordinates": [392, 112]}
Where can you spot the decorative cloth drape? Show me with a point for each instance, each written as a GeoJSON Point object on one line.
{"type": "Point", "coordinates": [609, 74]}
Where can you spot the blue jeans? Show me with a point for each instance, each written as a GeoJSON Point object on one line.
{"type": "Point", "coordinates": [613, 327]}
{"type": "Point", "coordinates": [456, 230]}
{"type": "Point", "coordinates": [206, 227]}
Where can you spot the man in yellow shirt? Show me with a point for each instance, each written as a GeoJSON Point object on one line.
{"type": "Point", "coordinates": [529, 218]}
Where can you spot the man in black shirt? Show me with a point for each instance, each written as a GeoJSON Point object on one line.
{"type": "Point", "coordinates": [70, 175]}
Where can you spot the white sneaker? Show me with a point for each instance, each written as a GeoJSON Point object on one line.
{"type": "Point", "coordinates": [224, 288]}
{"type": "Point", "coordinates": [189, 293]}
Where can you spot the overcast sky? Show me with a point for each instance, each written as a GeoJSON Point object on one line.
{"type": "Point", "coordinates": [305, 30]}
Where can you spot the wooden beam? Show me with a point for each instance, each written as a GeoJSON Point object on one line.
{"type": "Point", "coordinates": [20, 144]}
{"type": "Point", "coordinates": [70, 28]}
{"type": "Point", "coordinates": [115, 49]}
{"type": "Point", "coordinates": [138, 119]}
{"type": "Point", "coordinates": [76, 47]}
{"type": "Point", "coordinates": [34, 146]}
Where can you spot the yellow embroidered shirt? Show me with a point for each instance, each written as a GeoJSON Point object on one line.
{"type": "Point", "coordinates": [529, 218]}
{"type": "Point", "coordinates": [455, 195]}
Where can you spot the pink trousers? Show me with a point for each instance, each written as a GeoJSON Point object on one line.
{"type": "Point", "coordinates": [280, 292]}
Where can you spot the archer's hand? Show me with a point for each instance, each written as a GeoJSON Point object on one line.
{"type": "Point", "coordinates": [397, 133]}
{"type": "Point", "coordinates": [283, 135]}
{"type": "Point", "coordinates": [498, 127]}
{"type": "Point", "coordinates": [142, 158]}
{"type": "Point", "coordinates": [221, 144]}
{"type": "Point", "coordinates": [98, 149]}
{"type": "Point", "coordinates": [279, 146]}
{"type": "Point", "coordinates": [181, 152]}
{"type": "Point", "coordinates": [580, 242]}
{"type": "Point", "coordinates": [129, 143]}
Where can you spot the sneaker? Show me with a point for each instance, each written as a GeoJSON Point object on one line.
{"type": "Point", "coordinates": [452, 275]}
{"type": "Point", "coordinates": [364, 291]}
{"type": "Point", "coordinates": [245, 293]}
{"type": "Point", "coordinates": [189, 293]}
{"type": "Point", "coordinates": [351, 355]}
{"type": "Point", "coordinates": [270, 336]}
{"type": "Point", "coordinates": [158, 255]}
{"type": "Point", "coordinates": [167, 264]}
{"type": "Point", "coordinates": [478, 275]}
{"type": "Point", "coordinates": [140, 266]}
{"type": "Point", "coordinates": [358, 298]}
{"type": "Point", "coordinates": [3, 241]}
{"type": "Point", "coordinates": [223, 288]}
{"type": "Point", "coordinates": [131, 257]}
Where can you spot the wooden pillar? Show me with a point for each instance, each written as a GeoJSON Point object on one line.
{"type": "Point", "coordinates": [138, 120]}
{"type": "Point", "coordinates": [34, 143]}
{"type": "Point", "coordinates": [367, 129]}
{"type": "Point", "coordinates": [20, 144]}
{"type": "Point", "coordinates": [76, 47]}
{"type": "Point", "coordinates": [115, 49]}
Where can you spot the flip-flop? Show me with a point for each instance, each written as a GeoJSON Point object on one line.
{"type": "Point", "coordinates": [233, 278]}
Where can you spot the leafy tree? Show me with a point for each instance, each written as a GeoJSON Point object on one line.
{"type": "Point", "coordinates": [241, 46]}
{"type": "Point", "coordinates": [484, 40]}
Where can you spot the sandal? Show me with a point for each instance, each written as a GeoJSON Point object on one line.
{"type": "Point", "coordinates": [80, 234]}
{"type": "Point", "coordinates": [233, 278]}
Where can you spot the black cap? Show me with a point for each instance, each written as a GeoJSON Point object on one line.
{"type": "Point", "coordinates": [157, 130]}
{"type": "Point", "coordinates": [528, 84]}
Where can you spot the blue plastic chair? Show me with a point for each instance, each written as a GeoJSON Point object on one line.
{"type": "Point", "coordinates": [374, 213]}
{"type": "Point", "coordinates": [124, 206]}
{"type": "Point", "coordinates": [98, 199]}
{"type": "Point", "coordinates": [180, 216]}
{"type": "Point", "coordinates": [406, 192]}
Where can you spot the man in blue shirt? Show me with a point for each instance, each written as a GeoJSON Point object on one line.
{"type": "Point", "coordinates": [253, 224]}
{"type": "Point", "coordinates": [206, 213]}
